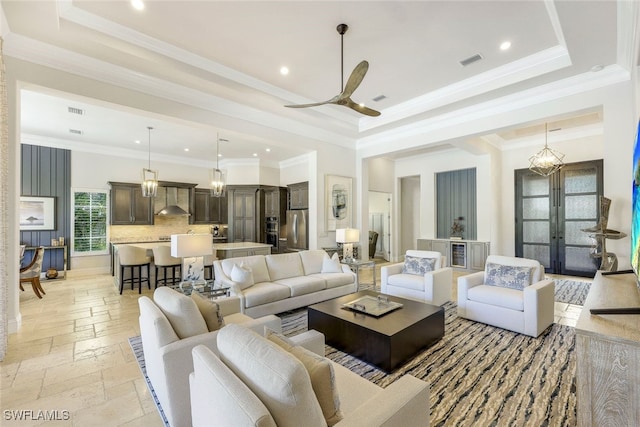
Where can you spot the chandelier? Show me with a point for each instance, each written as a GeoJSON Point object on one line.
{"type": "Point", "coordinates": [149, 177]}
{"type": "Point", "coordinates": [546, 161]}
{"type": "Point", "coordinates": [216, 177]}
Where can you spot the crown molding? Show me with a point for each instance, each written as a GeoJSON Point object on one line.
{"type": "Point", "coordinates": [85, 147]}
{"type": "Point", "coordinates": [37, 52]}
{"type": "Point", "coordinates": [551, 59]}
{"type": "Point", "coordinates": [545, 93]}
{"type": "Point", "coordinates": [553, 138]}
{"type": "Point", "coordinates": [303, 159]}
{"type": "Point", "coordinates": [69, 12]}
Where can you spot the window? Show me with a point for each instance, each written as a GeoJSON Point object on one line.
{"type": "Point", "coordinates": [89, 223]}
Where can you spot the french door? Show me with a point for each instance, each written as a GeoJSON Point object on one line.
{"type": "Point", "coordinates": [552, 211]}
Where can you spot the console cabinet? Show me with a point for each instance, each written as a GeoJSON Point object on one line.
{"type": "Point", "coordinates": [460, 254]}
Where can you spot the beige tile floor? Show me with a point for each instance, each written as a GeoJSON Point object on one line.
{"type": "Point", "coordinates": [72, 356]}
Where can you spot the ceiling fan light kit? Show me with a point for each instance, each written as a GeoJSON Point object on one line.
{"type": "Point", "coordinates": [356, 77]}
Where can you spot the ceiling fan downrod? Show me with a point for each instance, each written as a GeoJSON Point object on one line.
{"type": "Point", "coordinates": [342, 28]}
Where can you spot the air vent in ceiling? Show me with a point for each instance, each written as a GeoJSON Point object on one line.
{"type": "Point", "coordinates": [470, 60]}
{"type": "Point", "coordinates": [379, 98]}
{"type": "Point", "coordinates": [75, 131]}
{"type": "Point", "coordinates": [74, 110]}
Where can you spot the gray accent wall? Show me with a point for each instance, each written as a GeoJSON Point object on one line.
{"type": "Point", "coordinates": [456, 197]}
{"type": "Point", "coordinates": [46, 171]}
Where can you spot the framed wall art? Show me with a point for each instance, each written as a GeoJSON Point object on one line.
{"type": "Point", "coordinates": [338, 202]}
{"type": "Point", "coordinates": [37, 213]}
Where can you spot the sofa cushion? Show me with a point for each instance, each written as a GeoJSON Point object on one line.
{"type": "Point", "coordinates": [418, 265]}
{"type": "Point", "coordinates": [507, 276]}
{"type": "Point", "coordinates": [181, 311]}
{"type": "Point", "coordinates": [242, 275]}
{"type": "Point", "coordinates": [321, 373]}
{"type": "Point", "coordinates": [407, 281]}
{"type": "Point", "coordinates": [497, 296]}
{"type": "Point", "coordinates": [278, 378]}
{"type": "Point", "coordinates": [312, 260]}
{"type": "Point", "coordinates": [264, 293]}
{"type": "Point", "coordinates": [210, 311]}
{"type": "Point", "coordinates": [302, 285]}
{"type": "Point", "coordinates": [256, 263]}
{"type": "Point", "coordinates": [334, 280]}
{"type": "Point", "coordinates": [331, 265]}
{"type": "Point", "coordinates": [283, 266]}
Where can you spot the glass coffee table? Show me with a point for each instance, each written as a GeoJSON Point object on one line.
{"type": "Point", "coordinates": [207, 289]}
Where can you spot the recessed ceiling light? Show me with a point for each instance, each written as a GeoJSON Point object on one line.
{"type": "Point", "coordinates": [268, 150]}
{"type": "Point", "coordinates": [255, 154]}
{"type": "Point", "coordinates": [219, 155]}
{"type": "Point", "coordinates": [186, 149]}
{"type": "Point", "coordinates": [137, 141]}
{"type": "Point", "coordinates": [137, 4]}
{"type": "Point", "coordinates": [284, 71]}
{"type": "Point", "coordinates": [505, 45]}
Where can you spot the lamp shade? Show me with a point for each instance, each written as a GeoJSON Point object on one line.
{"type": "Point", "coordinates": [191, 245]}
{"type": "Point", "coordinates": [347, 235]}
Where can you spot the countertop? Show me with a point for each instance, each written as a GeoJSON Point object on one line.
{"type": "Point", "coordinates": [216, 246]}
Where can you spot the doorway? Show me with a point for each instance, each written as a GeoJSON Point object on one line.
{"type": "Point", "coordinates": [551, 212]}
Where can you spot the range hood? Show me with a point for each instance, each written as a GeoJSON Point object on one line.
{"type": "Point", "coordinates": [171, 207]}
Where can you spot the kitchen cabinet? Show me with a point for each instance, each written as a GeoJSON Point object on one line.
{"type": "Point", "coordinates": [128, 207]}
{"type": "Point", "coordinates": [236, 253]}
{"type": "Point", "coordinates": [243, 214]}
{"type": "Point", "coordinates": [299, 195]}
{"type": "Point", "coordinates": [469, 255]}
{"type": "Point", "coordinates": [275, 202]}
{"type": "Point", "coordinates": [209, 210]}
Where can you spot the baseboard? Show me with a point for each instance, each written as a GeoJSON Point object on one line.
{"type": "Point", "coordinates": [13, 325]}
{"type": "Point", "coordinates": [86, 272]}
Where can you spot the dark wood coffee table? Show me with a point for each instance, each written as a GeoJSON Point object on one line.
{"type": "Point", "coordinates": [386, 341]}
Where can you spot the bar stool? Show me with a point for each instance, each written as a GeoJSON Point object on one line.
{"type": "Point", "coordinates": [162, 259]}
{"type": "Point", "coordinates": [133, 259]}
{"type": "Point", "coordinates": [208, 266]}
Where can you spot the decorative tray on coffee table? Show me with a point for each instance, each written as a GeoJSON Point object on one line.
{"type": "Point", "coordinates": [373, 306]}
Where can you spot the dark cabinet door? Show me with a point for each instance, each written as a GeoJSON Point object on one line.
{"type": "Point", "coordinates": [271, 202]}
{"type": "Point", "coordinates": [299, 196]}
{"type": "Point", "coordinates": [201, 206]}
{"type": "Point", "coordinates": [208, 209]}
{"type": "Point", "coordinates": [244, 216]}
{"type": "Point", "coordinates": [128, 206]}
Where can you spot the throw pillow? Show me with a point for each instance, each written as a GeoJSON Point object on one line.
{"type": "Point", "coordinates": [335, 256]}
{"type": "Point", "coordinates": [331, 265]}
{"type": "Point", "coordinates": [320, 371]}
{"type": "Point", "coordinates": [418, 265]}
{"type": "Point", "coordinates": [181, 311]}
{"type": "Point", "coordinates": [507, 276]}
{"type": "Point", "coordinates": [242, 275]}
{"type": "Point", "coordinates": [210, 310]}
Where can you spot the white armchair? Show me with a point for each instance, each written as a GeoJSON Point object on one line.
{"type": "Point", "coordinates": [422, 276]}
{"type": "Point", "coordinates": [511, 293]}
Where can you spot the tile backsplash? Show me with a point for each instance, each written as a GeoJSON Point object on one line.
{"type": "Point", "coordinates": [163, 226]}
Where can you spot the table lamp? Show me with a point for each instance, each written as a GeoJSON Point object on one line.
{"type": "Point", "coordinates": [192, 248]}
{"type": "Point", "coordinates": [347, 236]}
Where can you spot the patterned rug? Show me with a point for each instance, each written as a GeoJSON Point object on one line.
{"type": "Point", "coordinates": [571, 291]}
{"type": "Point", "coordinates": [483, 376]}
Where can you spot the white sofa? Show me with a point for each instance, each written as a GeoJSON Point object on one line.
{"type": "Point", "coordinates": [255, 382]}
{"type": "Point", "coordinates": [412, 280]}
{"type": "Point", "coordinates": [286, 281]}
{"type": "Point", "coordinates": [511, 293]}
{"type": "Point", "coordinates": [170, 326]}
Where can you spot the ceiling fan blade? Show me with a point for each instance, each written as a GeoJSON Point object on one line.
{"type": "Point", "coordinates": [361, 108]}
{"type": "Point", "coordinates": [355, 79]}
{"type": "Point", "coordinates": [315, 104]}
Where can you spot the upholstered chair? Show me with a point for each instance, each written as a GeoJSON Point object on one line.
{"type": "Point", "coordinates": [31, 273]}
{"type": "Point", "coordinates": [422, 276]}
{"type": "Point", "coordinates": [511, 293]}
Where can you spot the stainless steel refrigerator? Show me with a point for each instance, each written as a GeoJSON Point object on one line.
{"type": "Point", "coordinates": [297, 229]}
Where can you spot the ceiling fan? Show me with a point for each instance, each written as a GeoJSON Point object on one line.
{"type": "Point", "coordinates": [344, 97]}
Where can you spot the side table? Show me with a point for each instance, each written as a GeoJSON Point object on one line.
{"type": "Point", "coordinates": [356, 264]}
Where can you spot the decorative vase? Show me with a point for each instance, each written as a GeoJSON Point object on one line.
{"type": "Point", "coordinates": [52, 273]}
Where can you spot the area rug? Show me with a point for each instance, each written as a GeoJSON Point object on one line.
{"type": "Point", "coordinates": [136, 347]}
{"type": "Point", "coordinates": [571, 291]}
{"type": "Point", "coordinates": [483, 376]}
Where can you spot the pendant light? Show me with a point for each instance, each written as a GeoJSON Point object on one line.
{"type": "Point", "coordinates": [149, 177]}
{"type": "Point", "coordinates": [216, 177]}
{"type": "Point", "coordinates": [546, 161]}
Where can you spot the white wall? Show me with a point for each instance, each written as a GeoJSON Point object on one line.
{"type": "Point", "coordinates": [409, 215]}
{"type": "Point", "coordinates": [381, 174]}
